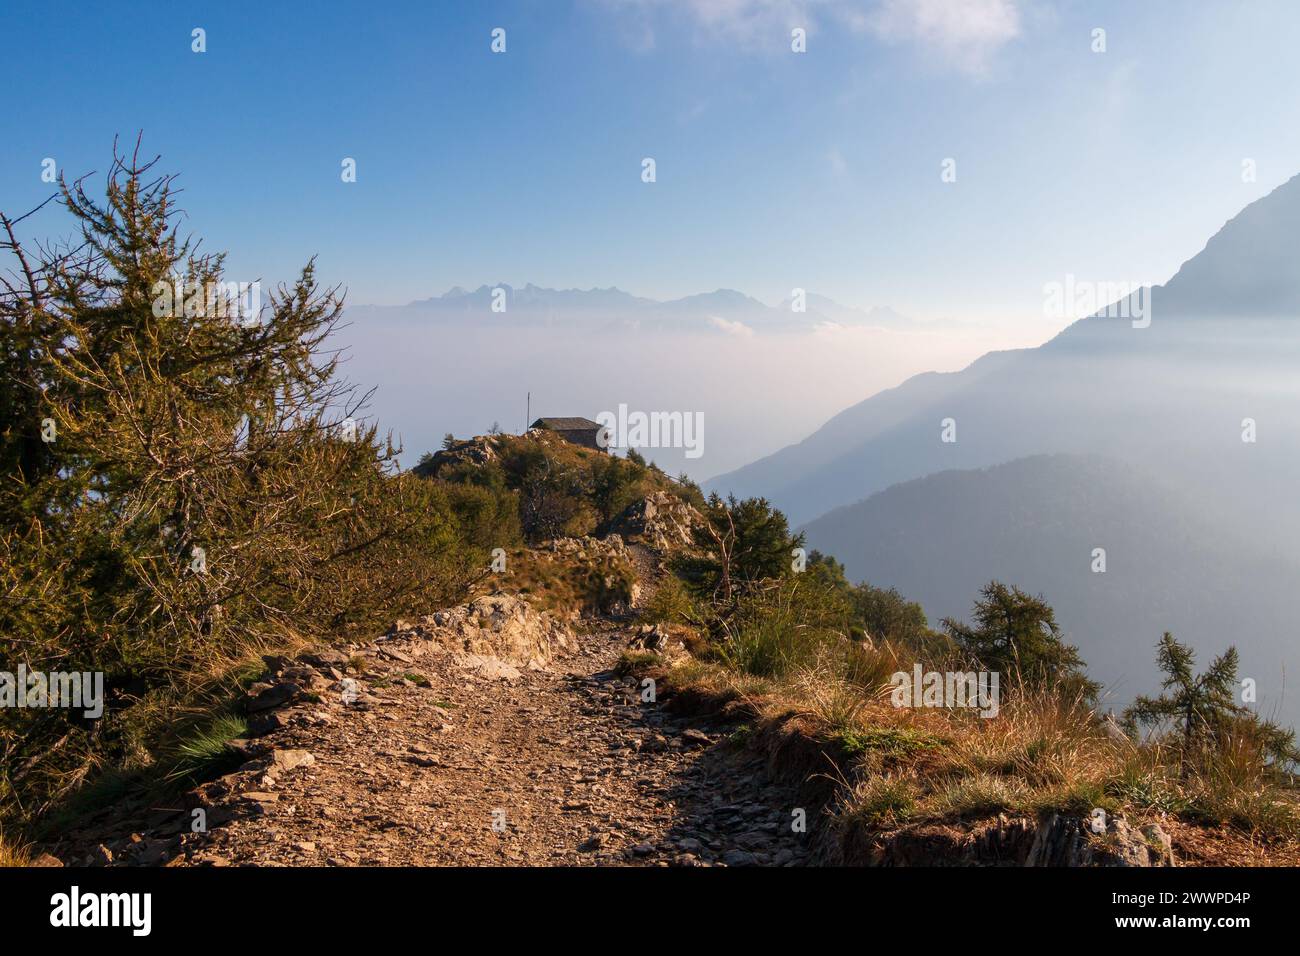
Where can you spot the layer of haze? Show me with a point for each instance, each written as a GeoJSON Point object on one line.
{"type": "Point", "coordinates": [757, 391]}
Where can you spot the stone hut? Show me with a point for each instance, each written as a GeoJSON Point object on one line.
{"type": "Point", "coordinates": [580, 431]}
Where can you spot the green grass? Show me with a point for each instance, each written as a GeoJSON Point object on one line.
{"type": "Point", "coordinates": [770, 647]}
{"type": "Point", "coordinates": [978, 796]}
{"type": "Point", "coordinates": [891, 742]}
{"type": "Point", "coordinates": [630, 662]}
{"type": "Point", "coordinates": [670, 603]}
{"type": "Point", "coordinates": [204, 753]}
{"type": "Point", "coordinates": [1255, 812]}
{"type": "Point", "coordinates": [883, 801]}
{"type": "Point", "coordinates": [741, 734]}
{"type": "Point", "coordinates": [1146, 785]}
{"type": "Point", "coordinates": [1081, 797]}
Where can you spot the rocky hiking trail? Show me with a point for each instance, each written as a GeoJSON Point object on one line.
{"type": "Point", "coordinates": [497, 734]}
{"type": "Point", "coordinates": [441, 753]}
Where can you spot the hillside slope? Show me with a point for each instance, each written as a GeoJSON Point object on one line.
{"type": "Point", "coordinates": [615, 698]}
{"type": "Point", "coordinates": [541, 748]}
{"type": "Point", "coordinates": [1036, 521]}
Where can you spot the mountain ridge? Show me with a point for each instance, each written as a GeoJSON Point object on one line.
{"type": "Point", "coordinates": [618, 306]}
{"type": "Point", "coordinates": [788, 477]}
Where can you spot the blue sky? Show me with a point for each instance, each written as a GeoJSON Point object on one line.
{"type": "Point", "coordinates": [775, 170]}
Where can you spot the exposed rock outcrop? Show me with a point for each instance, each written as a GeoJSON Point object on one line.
{"type": "Point", "coordinates": [609, 548]}
{"type": "Point", "coordinates": [660, 520]}
{"type": "Point", "coordinates": [1063, 840]}
{"type": "Point", "coordinates": [478, 451]}
{"type": "Point", "coordinates": [1059, 840]}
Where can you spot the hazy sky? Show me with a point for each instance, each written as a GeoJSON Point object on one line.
{"type": "Point", "coordinates": [774, 169]}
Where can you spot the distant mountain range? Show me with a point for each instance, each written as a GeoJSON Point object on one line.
{"type": "Point", "coordinates": [1176, 446]}
{"type": "Point", "coordinates": [724, 310]}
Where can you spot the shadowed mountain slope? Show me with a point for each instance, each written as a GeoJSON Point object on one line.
{"type": "Point", "coordinates": [1036, 522]}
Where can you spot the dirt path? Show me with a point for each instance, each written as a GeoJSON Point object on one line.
{"type": "Point", "coordinates": [438, 763]}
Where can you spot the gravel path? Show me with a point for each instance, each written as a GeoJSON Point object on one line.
{"type": "Point", "coordinates": [440, 763]}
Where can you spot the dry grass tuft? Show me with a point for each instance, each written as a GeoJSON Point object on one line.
{"type": "Point", "coordinates": [13, 853]}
